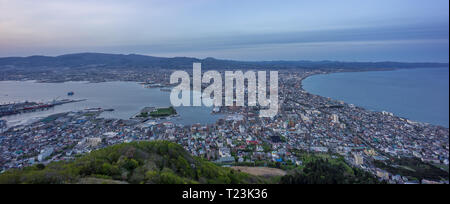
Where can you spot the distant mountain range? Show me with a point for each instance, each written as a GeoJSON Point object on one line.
{"type": "Point", "coordinates": [142, 61]}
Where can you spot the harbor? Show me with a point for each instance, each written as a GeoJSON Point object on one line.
{"type": "Point", "coordinates": [118, 100]}
{"type": "Point", "coordinates": [26, 107]}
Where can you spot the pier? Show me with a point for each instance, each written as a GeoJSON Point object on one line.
{"type": "Point", "coordinates": [24, 107]}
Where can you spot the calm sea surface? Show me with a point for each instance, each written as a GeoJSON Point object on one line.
{"type": "Point", "coordinates": [417, 94]}
{"type": "Point", "coordinates": [127, 98]}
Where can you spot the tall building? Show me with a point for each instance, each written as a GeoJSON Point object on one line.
{"type": "Point", "coordinates": [335, 118]}
{"type": "Point", "coordinates": [359, 160]}
{"type": "Point", "coordinates": [45, 153]}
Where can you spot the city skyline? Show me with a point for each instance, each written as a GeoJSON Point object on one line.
{"type": "Point", "coordinates": [224, 92]}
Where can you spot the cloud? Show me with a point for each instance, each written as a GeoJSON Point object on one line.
{"type": "Point", "coordinates": [201, 26]}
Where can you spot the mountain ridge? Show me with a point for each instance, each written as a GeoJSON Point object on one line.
{"type": "Point", "coordinates": [144, 61]}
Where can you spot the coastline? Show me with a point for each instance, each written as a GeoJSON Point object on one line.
{"type": "Point", "coordinates": [22, 119]}
{"type": "Point", "coordinates": [356, 127]}
{"type": "Point", "coordinates": [310, 74]}
{"type": "Point", "coordinates": [359, 106]}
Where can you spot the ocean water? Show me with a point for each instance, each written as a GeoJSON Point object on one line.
{"type": "Point", "coordinates": [127, 98]}
{"type": "Point", "coordinates": [417, 94]}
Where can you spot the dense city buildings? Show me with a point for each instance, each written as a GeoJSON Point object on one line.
{"type": "Point", "coordinates": [304, 123]}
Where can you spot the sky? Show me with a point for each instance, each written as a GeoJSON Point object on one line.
{"type": "Point", "coordinates": [343, 30]}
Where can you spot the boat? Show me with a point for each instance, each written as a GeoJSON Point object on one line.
{"type": "Point", "coordinates": [166, 90]}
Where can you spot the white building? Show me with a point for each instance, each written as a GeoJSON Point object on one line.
{"type": "Point", "coordinates": [335, 118]}
{"type": "Point", "coordinates": [359, 159]}
{"type": "Point", "coordinates": [45, 153]}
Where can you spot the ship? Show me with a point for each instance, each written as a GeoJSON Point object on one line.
{"type": "Point", "coordinates": [70, 93]}
{"type": "Point", "coordinates": [166, 90]}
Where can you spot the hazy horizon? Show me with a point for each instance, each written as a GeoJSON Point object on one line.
{"type": "Point", "coordinates": [350, 30]}
{"type": "Point", "coordinates": [203, 58]}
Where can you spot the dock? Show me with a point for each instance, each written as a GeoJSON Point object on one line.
{"type": "Point", "coordinates": [25, 107]}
